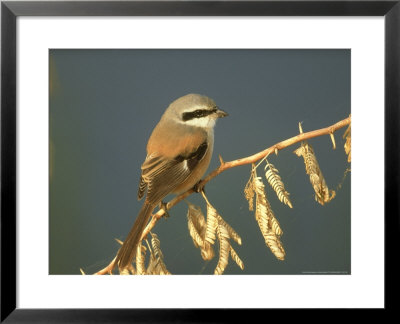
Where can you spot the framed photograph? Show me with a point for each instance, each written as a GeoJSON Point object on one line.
{"type": "Point", "coordinates": [99, 131]}
{"type": "Point", "coordinates": [107, 102]}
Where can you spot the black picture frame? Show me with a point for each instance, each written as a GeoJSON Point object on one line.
{"type": "Point", "coordinates": [10, 10]}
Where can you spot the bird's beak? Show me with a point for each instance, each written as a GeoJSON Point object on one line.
{"type": "Point", "coordinates": [220, 113]}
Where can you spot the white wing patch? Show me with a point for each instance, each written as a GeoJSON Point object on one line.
{"type": "Point", "coordinates": [185, 165]}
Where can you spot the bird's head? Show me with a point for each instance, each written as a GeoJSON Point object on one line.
{"type": "Point", "coordinates": [195, 110]}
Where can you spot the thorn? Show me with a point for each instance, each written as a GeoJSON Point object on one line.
{"type": "Point", "coordinates": [300, 128]}
{"type": "Point", "coordinates": [221, 160]}
{"type": "Point", "coordinates": [82, 272]}
{"type": "Point", "coordinates": [333, 140]}
{"type": "Point", "coordinates": [119, 241]}
{"type": "Point", "coordinates": [276, 151]}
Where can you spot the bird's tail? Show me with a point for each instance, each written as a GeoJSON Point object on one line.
{"type": "Point", "coordinates": [128, 250]}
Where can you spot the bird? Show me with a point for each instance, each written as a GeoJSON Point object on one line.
{"type": "Point", "coordinates": [179, 151]}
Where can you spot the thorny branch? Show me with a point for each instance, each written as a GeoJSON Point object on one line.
{"type": "Point", "coordinates": [231, 164]}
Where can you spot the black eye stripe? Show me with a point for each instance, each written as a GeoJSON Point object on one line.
{"type": "Point", "coordinates": [197, 113]}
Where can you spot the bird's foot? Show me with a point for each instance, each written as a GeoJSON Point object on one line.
{"type": "Point", "coordinates": [198, 187]}
{"type": "Point", "coordinates": [163, 206]}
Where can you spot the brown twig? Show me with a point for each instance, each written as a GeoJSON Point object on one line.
{"type": "Point", "coordinates": [229, 165]}
{"type": "Point", "coordinates": [108, 269]}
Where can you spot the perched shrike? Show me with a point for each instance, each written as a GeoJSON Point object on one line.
{"type": "Point", "coordinates": [178, 154]}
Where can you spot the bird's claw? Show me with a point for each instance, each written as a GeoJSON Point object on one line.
{"type": "Point", "coordinates": [198, 187]}
{"type": "Point", "coordinates": [163, 206]}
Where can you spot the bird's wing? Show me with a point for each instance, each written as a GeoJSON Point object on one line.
{"type": "Point", "coordinates": [162, 175]}
{"type": "Point", "coordinates": [142, 188]}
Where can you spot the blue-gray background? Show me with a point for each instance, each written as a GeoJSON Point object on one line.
{"type": "Point", "coordinates": [103, 107]}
